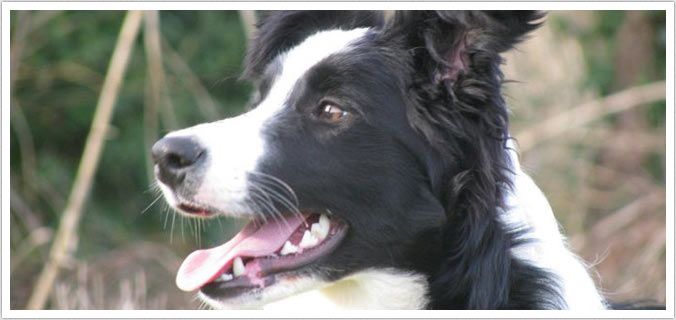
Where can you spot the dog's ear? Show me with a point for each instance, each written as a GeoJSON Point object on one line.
{"type": "Point", "coordinates": [279, 31]}
{"type": "Point", "coordinates": [450, 45]}
{"type": "Point", "coordinates": [454, 84]}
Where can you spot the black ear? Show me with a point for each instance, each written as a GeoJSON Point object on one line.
{"type": "Point", "coordinates": [279, 31]}
{"type": "Point", "coordinates": [454, 44]}
{"type": "Point", "coordinates": [454, 84]}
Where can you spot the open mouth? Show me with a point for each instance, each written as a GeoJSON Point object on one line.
{"type": "Point", "coordinates": [261, 250]}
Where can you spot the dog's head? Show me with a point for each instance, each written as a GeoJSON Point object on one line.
{"type": "Point", "coordinates": [365, 141]}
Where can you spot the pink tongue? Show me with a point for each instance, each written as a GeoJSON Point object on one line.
{"type": "Point", "coordinates": [202, 266]}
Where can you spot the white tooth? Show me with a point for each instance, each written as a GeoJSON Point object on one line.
{"type": "Point", "coordinates": [314, 228]}
{"type": "Point", "coordinates": [238, 267]}
{"type": "Point", "coordinates": [316, 231]}
{"type": "Point", "coordinates": [225, 277]}
{"type": "Point", "coordinates": [288, 248]}
{"type": "Point", "coordinates": [324, 226]}
{"type": "Point", "coordinates": [308, 240]}
{"type": "Point", "coordinates": [324, 221]}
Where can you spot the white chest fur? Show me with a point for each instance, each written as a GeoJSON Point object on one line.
{"type": "Point", "coordinates": [371, 289]}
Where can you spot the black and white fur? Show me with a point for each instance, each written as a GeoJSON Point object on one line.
{"type": "Point", "coordinates": [423, 170]}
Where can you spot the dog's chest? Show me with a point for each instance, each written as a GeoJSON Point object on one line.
{"type": "Point", "coordinates": [371, 289]}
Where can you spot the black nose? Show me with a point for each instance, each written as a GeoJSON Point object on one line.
{"type": "Point", "coordinates": [175, 157]}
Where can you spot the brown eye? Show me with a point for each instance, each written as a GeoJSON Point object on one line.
{"type": "Point", "coordinates": [330, 112]}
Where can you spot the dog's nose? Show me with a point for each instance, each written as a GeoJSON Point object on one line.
{"type": "Point", "coordinates": [175, 157]}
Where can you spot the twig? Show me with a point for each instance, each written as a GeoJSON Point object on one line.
{"type": "Point", "coordinates": [248, 18]}
{"type": "Point", "coordinates": [26, 148]}
{"type": "Point", "coordinates": [36, 238]}
{"type": "Point", "coordinates": [32, 186]}
{"type": "Point", "coordinates": [616, 221]}
{"type": "Point", "coordinates": [389, 14]}
{"type": "Point", "coordinates": [89, 161]}
{"type": "Point", "coordinates": [208, 108]}
{"type": "Point", "coordinates": [27, 22]}
{"type": "Point", "coordinates": [589, 112]}
{"type": "Point", "coordinates": [17, 118]}
{"type": "Point", "coordinates": [79, 74]}
{"type": "Point", "coordinates": [23, 27]}
{"type": "Point", "coordinates": [624, 216]}
{"type": "Point", "coordinates": [23, 210]}
{"type": "Point", "coordinates": [155, 75]}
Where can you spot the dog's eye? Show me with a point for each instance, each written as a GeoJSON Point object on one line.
{"type": "Point", "coordinates": [330, 112]}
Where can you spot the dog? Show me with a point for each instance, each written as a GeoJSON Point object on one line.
{"type": "Point", "coordinates": [376, 170]}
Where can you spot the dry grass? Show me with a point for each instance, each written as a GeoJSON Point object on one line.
{"type": "Point", "coordinates": [593, 171]}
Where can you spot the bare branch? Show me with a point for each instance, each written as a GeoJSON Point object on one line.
{"type": "Point", "coordinates": [89, 161]}
{"type": "Point", "coordinates": [208, 108]}
{"type": "Point", "coordinates": [156, 80]}
{"type": "Point", "coordinates": [589, 112]}
{"type": "Point", "coordinates": [248, 18]}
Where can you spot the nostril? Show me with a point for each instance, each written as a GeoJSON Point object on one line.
{"type": "Point", "coordinates": [175, 161]}
{"type": "Point", "coordinates": [182, 160]}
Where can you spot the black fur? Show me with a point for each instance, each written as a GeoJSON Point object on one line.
{"type": "Point", "coordinates": [418, 169]}
{"type": "Point", "coordinates": [439, 71]}
{"type": "Point", "coordinates": [458, 106]}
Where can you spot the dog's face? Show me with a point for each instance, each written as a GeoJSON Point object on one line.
{"type": "Point", "coordinates": [328, 165]}
{"type": "Point", "coordinates": [327, 136]}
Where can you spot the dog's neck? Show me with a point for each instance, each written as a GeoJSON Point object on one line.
{"type": "Point", "coordinates": [370, 289]}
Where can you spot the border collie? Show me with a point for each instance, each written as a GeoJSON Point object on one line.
{"type": "Point", "coordinates": [376, 170]}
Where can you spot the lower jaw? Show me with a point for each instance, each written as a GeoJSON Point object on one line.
{"type": "Point", "coordinates": [234, 288]}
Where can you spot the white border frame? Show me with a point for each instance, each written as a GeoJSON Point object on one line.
{"type": "Point", "coordinates": [7, 6]}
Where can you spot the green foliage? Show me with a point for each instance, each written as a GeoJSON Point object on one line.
{"type": "Point", "coordinates": [58, 102]}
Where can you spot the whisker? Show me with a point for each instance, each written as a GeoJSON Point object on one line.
{"type": "Point", "coordinates": [151, 204]}
{"type": "Point", "coordinates": [173, 220]}
{"type": "Point", "coordinates": [258, 210]}
{"type": "Point", "coordinates": [284, 201]}
{"type": "Point", "coordinates": [199, 232]}
{"type": "Point", "coordinates": [166, 217]}
{"type": "Point", "coordinates": [182, 228]}
{"type": "Point", "coordinates": [263, 200]}
{"type": "Point", "coordinates": [277, 214]}
{"type": "Point", "coordinates": [293, 209]}
{"type": "Point", "coordinates": [269, 186]}
{"type": "Point", "coordinates": [220, 224]}
{"type": "Point", "coordinates": [280, 182]}
{"type": "Point", "coordinates": [154, 187]}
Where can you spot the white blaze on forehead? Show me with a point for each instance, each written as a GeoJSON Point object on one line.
{"type": "Point", "coordinates": [236, 145]}
{"type": "Point", "coordinates": [297, 61]}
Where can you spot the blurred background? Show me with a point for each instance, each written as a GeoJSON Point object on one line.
{"type": "Point", "coordinates": [588, 111]}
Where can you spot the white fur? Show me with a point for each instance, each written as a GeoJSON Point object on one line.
{"type": "Point", "coordinates": [375, 289]}
{"type": "Point", "coordinates": [528, 207]}
{"type": "Point", "coordinates": [371, 289]}
{"type": "Point", "coordinates": [235, 146]}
